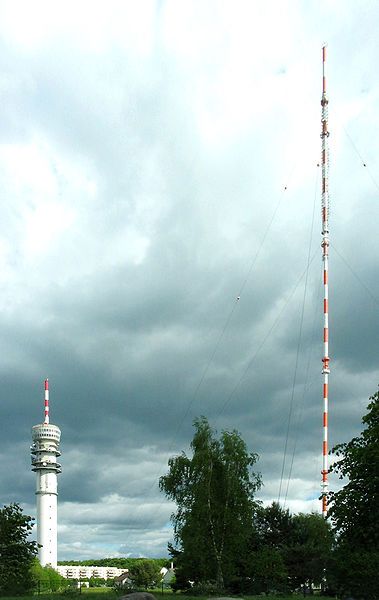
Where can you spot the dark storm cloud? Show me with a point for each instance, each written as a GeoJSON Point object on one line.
{"type": "Point", "coordinates": [160, 205]}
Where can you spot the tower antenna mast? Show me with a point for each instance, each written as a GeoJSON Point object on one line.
{"type": "Point", "coordinates": [47, 420]}
{"type": "Point", "coordinates": [325, 260]}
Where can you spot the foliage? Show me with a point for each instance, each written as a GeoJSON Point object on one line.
{"type": "Point", "coordinates": [204, 589]}
{"type": "Point", "coordinates": [269, 571]}
{"type": "Point", "coordinates": [214, 492]}
{"type": "Point", "coordinates": [16, 552]}
{"type": "Point", "coordinates": [145, 574]}
{"type": "Point", "coordinates": [264, 567]}
{"type": "Point", "coordinates": [308, 550]}
{"type": "Point", "coordinates": [288, 551]}
{"type": "Point", "coordinates": [97, 582]}
{"type": "Point", "coordinates": [355, 573]}
{"type": "Point", "coordinates": [354, 509]}
{"type": "Point", "coordinates": [273, 526]}
{"type": "Point", "coordinates": [47, 579]}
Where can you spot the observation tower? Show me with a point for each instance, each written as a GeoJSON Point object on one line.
{"type": "Point", "coordinates": [44, 453]}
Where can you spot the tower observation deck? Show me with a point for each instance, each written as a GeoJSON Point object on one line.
{"type": "Point", "coordinates": [44, 452]}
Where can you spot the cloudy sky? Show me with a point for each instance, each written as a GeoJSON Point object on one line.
{"type": "Point", "coordinates": [158, 159]}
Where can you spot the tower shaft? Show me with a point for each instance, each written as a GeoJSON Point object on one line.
{"type": "Point", "coordinates": [44, 453]}
{"type": "Point", "coordinates": [325, 260]}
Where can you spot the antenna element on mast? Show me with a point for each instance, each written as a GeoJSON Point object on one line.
{"type": "Point", "coordinates": [46, 421]}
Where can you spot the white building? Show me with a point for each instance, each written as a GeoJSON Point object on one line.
{"type": "Point", "coordinates": [83, 572]}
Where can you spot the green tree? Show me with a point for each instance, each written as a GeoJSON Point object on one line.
{"type": "Point", "coordinates": [214, 492]}
{"type": "Point", "coordinates": [296, 548]}
{"type": "Point", "coordinates": [273, 526]}
{"type": "Point", "coordinates": [354, 509]}
{"type": "Point", "coordinates": [269, 573]}
{"type": "Point", "coordinates": [95, 582]}
{"type": "Point", "coordinates": [16, 552]}
{"type": "Point", "coordinates": [265, 564]}
{"type": "Point", "coordinates": [47, 579]}
{"type": "Point", "coordinates": [145, 573]}
{"type": "Point", "coordinates": [308, 550]}
{"type": "Point", "coordinates": [354, 573]}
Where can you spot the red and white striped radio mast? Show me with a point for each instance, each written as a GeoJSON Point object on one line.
{"type": "Point", "coordinates": [325, 260]}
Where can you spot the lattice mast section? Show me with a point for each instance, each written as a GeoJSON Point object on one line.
{"type": "Point", "coordinates": [325, 261]}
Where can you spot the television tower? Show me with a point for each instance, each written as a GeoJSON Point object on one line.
{"type": "Point", "coordinates": [44, 453]}
{"type": "Point", "coordinates": [325, 259]}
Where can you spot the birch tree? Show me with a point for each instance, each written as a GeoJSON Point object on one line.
{"type": "Point", "coordinates": [214, 493]}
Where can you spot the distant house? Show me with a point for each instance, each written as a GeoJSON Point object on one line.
{"type": "Point", "coordinates": [122, 579]}
{"type": "Point", "coordinates": [167, 575]}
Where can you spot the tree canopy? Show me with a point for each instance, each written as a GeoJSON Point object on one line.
{"type": "Point", "coordinates": [308, 550]}
{"type": "Point", "coordinates": [145, 573]}
{"type": "Point", "coordinates": [214, 492]}
{"type": "Point", "coordinates": [288, 551]}
{"type": "Point", "coordinates": [47, 579]}
{"type": "Point", "coordinates": [17, 553]}
{"type": "Point", "coordinates": [354, 509]}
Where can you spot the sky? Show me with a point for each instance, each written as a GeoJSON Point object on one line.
{"type": "Point", "coordinates": [158, 161]}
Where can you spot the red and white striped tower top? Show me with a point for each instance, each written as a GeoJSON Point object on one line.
{"type": "Point", "coordinates": [325, 259]}
{"type": "Point", "coordinates": [46, 421]}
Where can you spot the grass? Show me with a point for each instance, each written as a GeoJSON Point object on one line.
{"type": "Point", "coordinates": [112, 596]}
{"type": "Point", "coordinates": [101, 591]}
{"type": "Point", "coordinates": [109, 594]}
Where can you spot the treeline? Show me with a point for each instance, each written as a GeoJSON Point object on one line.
{"type": "Point", "coordinates": [120, 563]}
